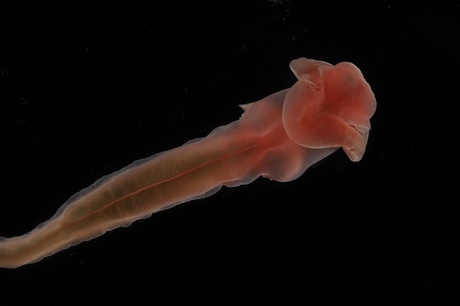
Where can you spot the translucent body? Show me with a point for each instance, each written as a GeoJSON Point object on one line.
{"type": "Point", "coordinates": [278, 137]}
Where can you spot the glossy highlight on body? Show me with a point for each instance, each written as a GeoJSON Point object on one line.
{"type": "Point", "coordinates": [277, 137]}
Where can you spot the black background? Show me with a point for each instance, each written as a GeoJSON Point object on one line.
{"type": "Point", "coordinates": [89, 88]}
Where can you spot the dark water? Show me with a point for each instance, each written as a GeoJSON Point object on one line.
{"type": "Point", "coordinates": [87, 89]}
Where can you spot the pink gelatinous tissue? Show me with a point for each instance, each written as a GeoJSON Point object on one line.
{"type": "Point", "coordinates": [277, 137]}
